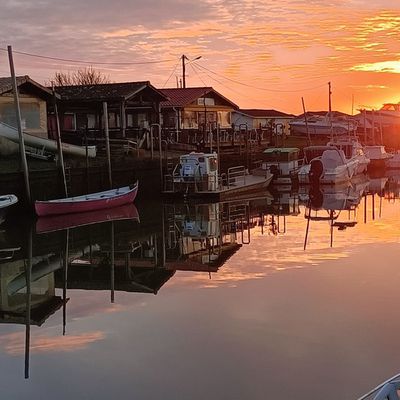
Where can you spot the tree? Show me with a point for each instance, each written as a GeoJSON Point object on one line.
{"type": "Point", "coordinates": [85, 76]}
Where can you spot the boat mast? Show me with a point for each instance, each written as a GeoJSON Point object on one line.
{"type": "Point", "coordinates": [330, 109]}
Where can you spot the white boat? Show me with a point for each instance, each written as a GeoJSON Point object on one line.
{"type": "Point", "coordinates": [196, 175]}
{"type": "Point", "coordinates": [322, 125]}
{"type": "Point", "coordinates": [394, 162]}
{"type": "Point", "coordinates": [388, 390]}
{"type": "Point", "coordinates": [378, 156]}
{"type": "Point", "coordinates": [44, 144]}
{"type": "Point", "coordinates": [332, 168]}
{"type": "Point", "coordinates": [6, 201]}
{"type": "Point", "coordinates": [282, 162]}
{"type": "Point", "coordinates": [352, 149]}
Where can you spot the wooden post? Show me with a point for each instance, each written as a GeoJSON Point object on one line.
{"type": "Point", "coordinates": [59, 144]}
{"type": "Point", "coordinates": [373, 127]}
{"type": "Point", "coordinates": [365, 126]}
{"type": "Point", "coordinates": [160, 155]}
{"type": "Point", "coordinates": [330, 109]}
{"type": "Point", "coordinates": [218, 149]}
{"type": "Point", "coordinates": [380, 126]}
{"type": "Point", "coordinates": [306, 120]}
{"type": "Point", "coordinates": [19, 125]}
{"type": "Point", "coordinates": [183, 71]}
{"type": "Point", "coordinates": [123, 119]}
{"type": "Point", "coordinates": [107, 135]}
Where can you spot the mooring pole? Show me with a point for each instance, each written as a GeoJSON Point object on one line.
{"type": "Point", "coordinates": [306, 120]}
{"type": "Point", "coordinates": [107, 135]}
{"type": "Point", "coordinates": [160, 155]}
{"type": "Point", "coordinates": [19, 125]}
{"type": "Point", "coordinates": [28, 272]}
{"type": "Point", "coordinates": [59, 144]}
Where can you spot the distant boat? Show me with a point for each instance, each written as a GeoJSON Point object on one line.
{"type": "Point", "coordinates": [6, 201]}
{"type": "Point", "coordinates": [89, 202]}
{"type": "Point", "coordinates": [378, 156]}
{"type": "Point", "coordinates": [322, 125]}
{"type": "Point", "coordinates": [54, 223]}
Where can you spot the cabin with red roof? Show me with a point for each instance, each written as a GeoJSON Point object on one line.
{"type": "Point", "coordinates": [196, 109]}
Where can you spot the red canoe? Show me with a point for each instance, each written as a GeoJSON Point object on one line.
{"type": "Point", "coordinates": [54, 223]}
{"type": "Point", "coordinates": [89, 202]}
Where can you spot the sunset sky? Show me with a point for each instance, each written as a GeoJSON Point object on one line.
{"type": "Point", "coordinates": [260, 54]}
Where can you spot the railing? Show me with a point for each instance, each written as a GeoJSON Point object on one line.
{"type": "Point", "coordinates": [236, 175]}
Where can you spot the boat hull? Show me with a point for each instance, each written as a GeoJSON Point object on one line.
{"type": "Point", "coordinates": [90, 202]}
{"type": "Point", "coordinates": [68, 221]}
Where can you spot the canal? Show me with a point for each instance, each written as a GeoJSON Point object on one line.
{"type": "Point", "coordinates": [288, 295]}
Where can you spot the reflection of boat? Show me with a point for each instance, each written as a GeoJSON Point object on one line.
{"type": "Point", "coordinates": [64, 221]}
{"type": "Point", "coordinates": [89, 202]}
{"type": "Point", "coordinates": [6, 201]}
{"type": "Point", "coordinates": [387, 390]}
{"type": "Point", "coordinates": [196, 175]}
{"type": "Point", "coordinates": [394, 162]}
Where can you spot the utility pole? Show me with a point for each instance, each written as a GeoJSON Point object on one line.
{"type": "Point", "coordinates": [183, 71]}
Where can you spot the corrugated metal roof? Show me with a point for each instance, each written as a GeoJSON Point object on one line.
{"type": "Point", "coordinates": [181, 97]}
{"type": "Point", "coordinates": [105, 91]}
{"type": "Point", "coordinates": [6, 84]}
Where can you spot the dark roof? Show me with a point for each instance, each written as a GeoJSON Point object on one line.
{"type": "Point", "coordinates": [106, 91]}
{"type": "Point", "coordinates": [181, 97]}
{"type": "Point", "coordinates": [6, 85]}
{"type": "Point", "coordinates": [260, 113]}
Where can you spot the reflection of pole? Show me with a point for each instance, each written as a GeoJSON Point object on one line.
{"type": "Point", "coordinates": [331, 215]}
{"type": "Point", "coordinates": [373, 206]}
{"type": "Point", "coordinates": [163, 240]}
{"type": "Point", "coordinates": [112, 263]}
{"type": "Point", "coordinates": [28, 271]}
{"type": "Point", "coordinates": [19, 125]}
{"type": "Point", "coordinates": [66, 256]}
{"type": "Point", "coordinates": [365, 209]}
{"type": "Point", "coordinates": [308, 223]}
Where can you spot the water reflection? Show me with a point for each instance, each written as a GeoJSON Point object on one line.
{"type": "Point", "coordinates": [44, 262]}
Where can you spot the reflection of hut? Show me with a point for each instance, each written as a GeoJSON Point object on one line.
{"type": "Point", "coordinates": [13, 298]}
{"type": "Point", "coordinates": [138, 280]}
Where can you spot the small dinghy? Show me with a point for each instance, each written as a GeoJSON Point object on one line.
{"type": "Point", "coordinates": [388, 390]}
{"type": "Point", "coordinates": [89, 202]}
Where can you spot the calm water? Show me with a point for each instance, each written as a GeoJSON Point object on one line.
{"type": "Point", "coordinates": [286, 296]}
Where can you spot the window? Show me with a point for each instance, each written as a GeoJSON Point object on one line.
{"type": "Point", "coordinates": [30, 115]}
{"type": "Point", "coordinates": [209, 101]}
{"type": "Point", "coordinates": [190, 119]}
{"type": "Point", "coordinates": [224, 118]}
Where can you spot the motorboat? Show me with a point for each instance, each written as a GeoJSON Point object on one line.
{"type": "Point", "coordinates": [322, 125]}
{"type": "Point", "coordinates": [282, 162]}
{"type": "Point", "coordinates": [394, 162]}
{"type": "Point", "coordinates": [352, 149]}
{"type": "Point", "coordinates": [388, 390]}
{"type": "Point", "coordinates": [197, 175]}
{"type": "Point", "coordinates": [332, 167]}
{"type": "Point", "coordinates": [378, 156]}
{"type": "Point", "coordinates": [89, 202]}
{"type": "Point", "coordinates": [6, 201]}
